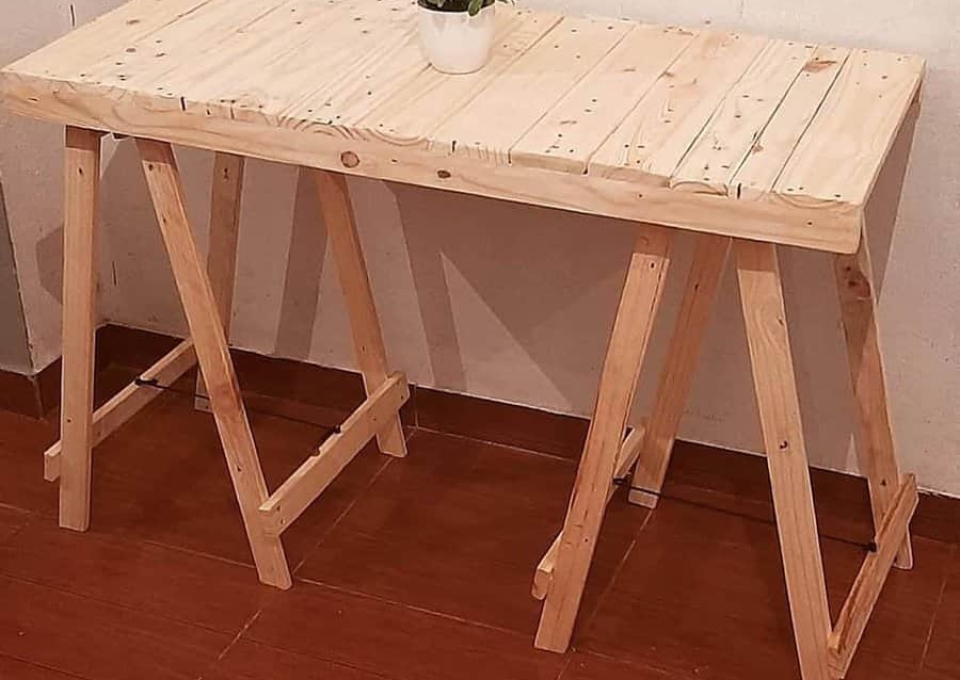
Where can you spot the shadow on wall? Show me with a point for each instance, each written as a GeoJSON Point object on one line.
{"type": "Point", "coordinates": [14, 345]}
{"type": "Point", "coordinates": [301, 285]}
{"type": "Point", "coordinates": [514, 299]}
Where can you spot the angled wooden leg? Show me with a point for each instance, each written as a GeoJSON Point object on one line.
{"type": "Point", "coordinates": [81, 217]}
{"type": "Point", "coordinates": [874, 441]}
{"type": "Point", "coordinates": [226, 190]}
{"type": "Point", "coordinates": [364, 324]}
{"type": "Point", "coordinates": [210, 343]}
{"type": "Point", "coordinates": [761, 296]}
{"type": "Point", "coordinates": [699, 297]}
{"type": "Point", "coordinates": [618, 383]}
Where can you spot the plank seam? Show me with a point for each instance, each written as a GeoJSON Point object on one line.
{"type": "Point", "coordinates": [562, 96]}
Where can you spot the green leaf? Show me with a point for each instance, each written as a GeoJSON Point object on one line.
{"type": "Point", "coordinates": [474, 7]}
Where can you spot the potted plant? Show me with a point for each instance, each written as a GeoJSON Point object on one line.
{"type": "Point", "coordinates": [457, 35]}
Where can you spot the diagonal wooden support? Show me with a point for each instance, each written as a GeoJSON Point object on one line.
{"type": "Point", "coordinates": [128, 402]}
{"type": "Point", "coordinates": [225, 192]}
{"type": "Point", "coordinates": [761, 295]}
{"type": "Point", "coordinates": [874, 440]}
{"type": "Point", "coordinates": [866, 589]}
{"type": "Point", "coordinates": [618, 383]}
{"type": "Point", "coordinates": [352, 269]}
{"type": "Point", "coordinates": [309, 480]}
{"type": "Point", "coordinates": [206, 329]}
{"type": "Point", "coordinates": [627, 456]}
{"type": "Point", "coordinates": [81, 218]}
{"type": "Point", "coordinates": [699, 298]}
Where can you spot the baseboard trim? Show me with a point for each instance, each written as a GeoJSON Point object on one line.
{"type": "Point", "coordinates": [698, 473]}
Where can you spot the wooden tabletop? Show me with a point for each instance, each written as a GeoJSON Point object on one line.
{"type": "Point", "coordinates": [720, 132]}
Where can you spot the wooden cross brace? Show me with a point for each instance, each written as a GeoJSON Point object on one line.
{"type": "Point", "coordinates": [825, 649]}
{"type": "Point", "coordinates": [206, 294]}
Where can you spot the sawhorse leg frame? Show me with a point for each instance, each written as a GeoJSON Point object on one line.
{"type": "Point", "coordinates": [825, 648]}
{"type": "Point", "coordinates": [206, 294]}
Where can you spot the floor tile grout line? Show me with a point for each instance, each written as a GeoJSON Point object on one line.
{"type": "Point", "coordinates": [232, 643]}
{"type": "Point", "coordinates": [181, 549]}
{"type": "Point", "coordinates": [113, 603]}
{"type": "Point", "coordinates": [951, 567]}
{"type": "Point", "coordinates": [54, 669]}
{"type": "Point", "coordinates": [616, 572]}
{"type": "Point", "coordinates": [501, 445]}
{"type": "Point", "coordinates": [334, 662]}
{"type": "Point", "coordinates": [336, 522]}
{"type": "Point", "coordinates": [413, 607]}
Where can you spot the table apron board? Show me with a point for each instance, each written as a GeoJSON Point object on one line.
{"type": "Point", "coordinates": [832, 227]}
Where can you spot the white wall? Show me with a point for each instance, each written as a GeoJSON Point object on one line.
{"type": "Point", "coordinates": [515, 303]}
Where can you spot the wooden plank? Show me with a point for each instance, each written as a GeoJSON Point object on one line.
{"type": "Point", "coordinates": [206, 329]}
{"type": "Point", "coordinates": [81, 222]}
{"type": "Point", "coordinates": [308, 70]}
{"type": "Point", "coordinates": [528, 89]}
{"type": "Point", "coordinates": [876, 451]}
{"type": "Point", "coordinates": [618, 382]}
{"type": "Point", "coordinates": [106, 36]}
{"type": "Point", "coordinates": [568, 135]}
{"type": "Point", "coordinates": [413, 112]}
{"type": "Point", "coordinates": [830, 228]}
{"type": "Point", "coordinates": [843, 150]}
{"type": "Point", "coordinates": [761, 296]}
{"type": "Point", "coordinates": [306, 484]}
{"type": "Point", "coordinates": [866, 589]}
{"type": "Point", "coordinates": [193, 44]}
{"type": "Point", "coordinates": [629, 451]}
{"type": "Point", "coordinates": [729, 136]}
{"type": "Point", "coordinates": [128, 402]}
{"type": "Point", "coordinates": [226, 189]}
{"type": "Point", "coordinates": [352, 270]}
{"type": "Point", "coordinates": [683, 353]}
{"type": "Point", "coordinates": [652, 140]}
{"type": "Point", "coordinates": [770, 152]}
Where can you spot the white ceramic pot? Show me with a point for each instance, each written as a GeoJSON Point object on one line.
{"type": "Point", "coordinates": [456, 42]}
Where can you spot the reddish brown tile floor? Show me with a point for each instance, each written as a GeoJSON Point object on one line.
{"type": "Point", "coordinates": [413, 569]}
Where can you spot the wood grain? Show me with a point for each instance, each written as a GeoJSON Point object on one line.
{"type": "Point", "coordinates": [618, 383]}
{"type": "Point", "coordinates": [80, 225]}
{"type": "Point", "coordinates": [761, 296]}
{"type": "Point", "coordinates": [206, 329]}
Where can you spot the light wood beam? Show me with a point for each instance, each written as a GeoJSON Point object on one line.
{"type": "Point", "coordinates": [128, 402]}
{"type": "Point", "coordinates": [618, 382]}
{"type": "Point", "coordinates": [352, 269]}
{"type": "Point", "coordinates": [309, 480]}
{"type": "Point", "coordinates": [874, 441]}
{"type": "Point", "coordinates": [625, 460]}
{"type": "Point", "coordinates": [761, 296]}
{"type": "Point", "coordinates": [699, 298]}
{"type": "Point", "coordinates": [81, 222]}
{"type": "Point", "coordinates": [225, 194]}
{"type": "Point", "coordinates": [876, 567]}
{"type": "Point", "coordinates": [206, 329]}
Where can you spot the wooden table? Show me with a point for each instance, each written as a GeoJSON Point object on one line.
{"type": "Point", "coordinates": [753, 143]}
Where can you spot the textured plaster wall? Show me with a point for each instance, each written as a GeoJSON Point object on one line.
{"type": "Point", "coordinates": [515, 303]}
